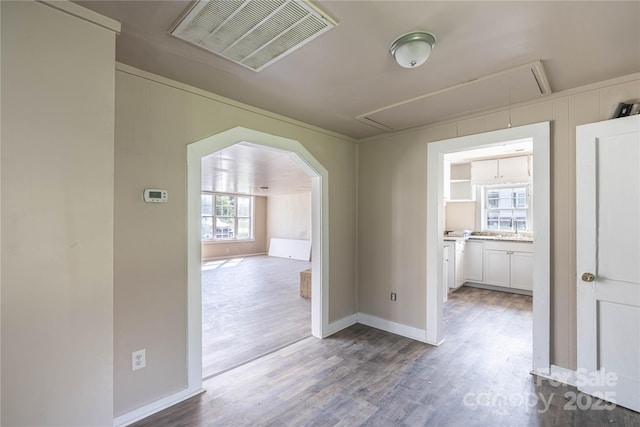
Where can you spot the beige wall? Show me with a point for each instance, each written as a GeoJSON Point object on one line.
{"type": "Point", "coordinates": [460, 216]}
{"type": "Point", "coordinates": [155, 120]}
{"type": "Point", "coordinates": [57, 218]}
{"type": "Point", "coordinates": [392, 211]}
{"type": "Point", "coordinates": [289, 216]}
{"type": "Point", "coordinates": [62, 247]}
{"type": "Point", "coordinates": [258, 245]}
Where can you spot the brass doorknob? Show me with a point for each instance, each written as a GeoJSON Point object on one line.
{"type": "Point", "coordinates": [588, 277]}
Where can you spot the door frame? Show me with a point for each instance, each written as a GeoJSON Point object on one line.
{"type": "Point", "coordinates": [319, 234]}
{"type": "Point", "coordinates": [540, 135]}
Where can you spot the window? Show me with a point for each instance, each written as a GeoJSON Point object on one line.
{"type": "Point", "coordinates": [231, 214]}
{"type": "Point", "coordinates": [506, 208]}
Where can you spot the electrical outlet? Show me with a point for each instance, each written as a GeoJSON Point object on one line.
{"type": "Point", "coordinates": [393, 296]}
{"type": "Point", "coordinates": [138, 359]}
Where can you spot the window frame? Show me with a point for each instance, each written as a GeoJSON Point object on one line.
{"type": "Point", "coordinates": [481, 217]}
{"type": "Point", "coordinates": [235, 218]}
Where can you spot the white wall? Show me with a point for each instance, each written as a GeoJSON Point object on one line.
{"type": "Point", "coordinates": [57, 216]}
{"type": "Point", "coordinates": [289, 216]}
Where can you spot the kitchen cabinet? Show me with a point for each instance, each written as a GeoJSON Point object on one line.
{"type": "Point", "coordinates": [498, 268]}
{"type": "Point", "coordinates": [455, 264]}
{"type": "Point", "coordinates": [460, 187]}
{"type": "Point", "coordinates": [451, 272]}
{"type": "Point", "coordinates": [522, 270]}
{"type": "Point", "coordinates": [457, 182]}
{"type": "Point", "coordinates": [445, 272]}
{"type": "Point", "coordinates": [509, 169]}
{"type": "Point", "coordinates": [510, 267]}
{"type": "Point", "coordinates": [490, 262]}
{"type": "Point", "coordinates": [474, 261]}
{"type": "Point", "coordinates": [458, 275]}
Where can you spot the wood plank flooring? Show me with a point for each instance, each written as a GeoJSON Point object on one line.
{"type": "Point", "coordinates": [366, 377]}
{"type": "Point", "coordinates": [250, 307]}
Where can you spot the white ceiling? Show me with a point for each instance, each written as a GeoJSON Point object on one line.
{"type": "Point", "coordinates": [510, 148]}
{"type": "Point", "coordinates": [243, 168]}
{"type": "Point", "coordinates": [348, 72]}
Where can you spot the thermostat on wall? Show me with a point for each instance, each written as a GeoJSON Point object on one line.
{"type": "Point", "coordinates": [154, 195]}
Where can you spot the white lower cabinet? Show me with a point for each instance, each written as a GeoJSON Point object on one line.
{"type": "Point", "coordinates": [522, 270]}
{"type": "Point", "coordinates": [445, 272]}
{"type": "Point", "coordinates": [495, 263]}
{"type": "Point", "coordinates": [451, 268]}
{"type": "Point", "coordinates": [511, 267]}
{"type": "Point", "coordinates": [498, 268]}
{"type": "Point", "coordinates": [473, 261]}
{"type": "Point", "coordinates": [453, 252]}
{"type": "Point", "coordinates": [459, 264]}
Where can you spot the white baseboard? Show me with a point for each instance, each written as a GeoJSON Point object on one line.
{"type": "Point", "coordinates": [154, 407]}
{"type": "Point", "coordinates": [393, 327]}
{"type": "Point", "coordinates": [233, 256]}
{"type": "Point", "coordinates": [339, 325]}
{"type": "Point", "coordinates": [558, 374]}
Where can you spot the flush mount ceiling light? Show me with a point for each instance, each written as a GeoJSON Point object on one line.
{"type": "Point", "coordinates": [412, 49]}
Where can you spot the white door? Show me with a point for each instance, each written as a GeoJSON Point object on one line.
{"type": "Point", "coordinates": [608, 260]}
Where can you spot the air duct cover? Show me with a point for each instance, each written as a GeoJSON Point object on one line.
{"type": "Point", "coordinates": [252, 33]}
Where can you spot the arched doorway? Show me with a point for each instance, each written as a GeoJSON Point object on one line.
{"type": "Point", "coordinates": [319, 240]}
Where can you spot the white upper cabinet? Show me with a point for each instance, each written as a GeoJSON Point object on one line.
{"type": "Point", "coordinates": [510, 169]}
{"type": "Point", "coordinates": [484, 170]}
{"type": "Point", "coordinates": [458, 187]}
{"type": "Point", "coordinates": [513, 167]}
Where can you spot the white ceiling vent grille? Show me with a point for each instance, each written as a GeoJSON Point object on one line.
{"type": "Point", "coordinates": [252, 33]}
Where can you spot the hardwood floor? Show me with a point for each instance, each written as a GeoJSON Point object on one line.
{"type": "Point", "coordinates": [366, 377]}
{"type": "Point", "coordinates": [250, 306]}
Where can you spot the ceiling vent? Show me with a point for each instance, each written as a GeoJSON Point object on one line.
{"type": "Point", "coordinates": [252, 33]}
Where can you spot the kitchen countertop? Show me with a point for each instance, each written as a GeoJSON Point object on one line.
{"type": "Point", "coordinates": [503, 238]}
{"type": "Point", "coordinates": [454, 238]}
{"type": "Point", "coordinates": [522, 239]}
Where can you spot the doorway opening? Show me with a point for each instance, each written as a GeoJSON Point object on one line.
{"type": "Point", "coordinates": [319, 233]}
{"type": "Point", "coordinates": [488, 218]}
{"type": "Point", "coordinates": [539, 135]}
{"type": "Point", "coordinates": [255, 297]}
